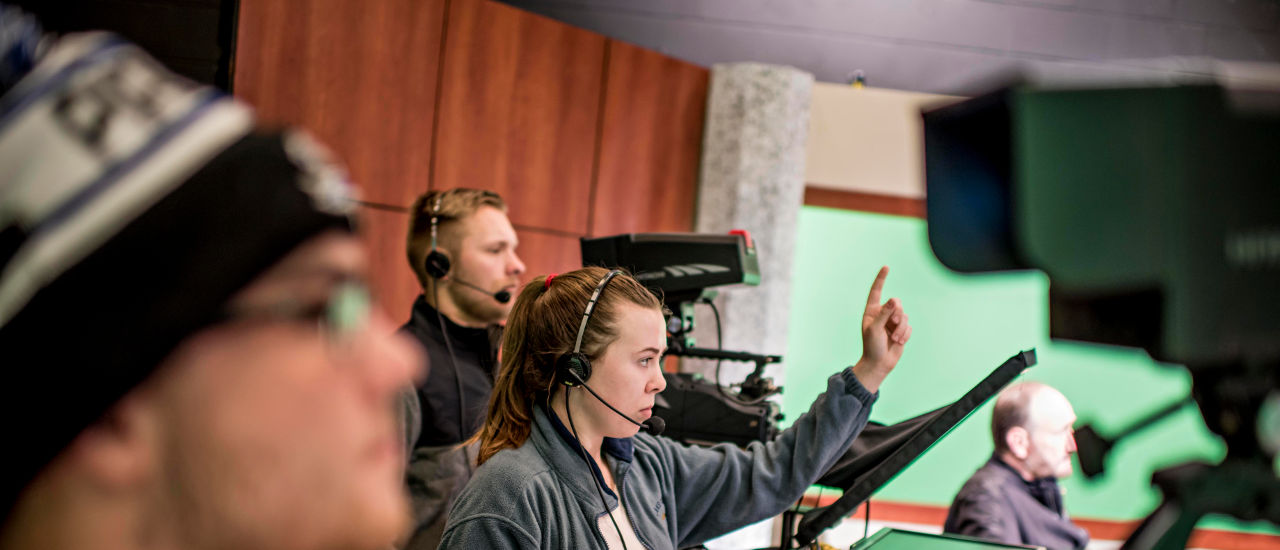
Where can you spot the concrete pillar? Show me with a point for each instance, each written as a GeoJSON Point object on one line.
{"type": "Point", "coordinates": [752, 178]}
{"type": "Point", "coordinates": [753, 158]}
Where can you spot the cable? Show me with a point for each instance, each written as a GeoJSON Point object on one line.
{"type": "Point", "coordinates": [719, 336]}
{"type": "Point", "coordinates": [720, 347]}
{"type": "Point", "coordinates": [453, 360]}
{"type": "Point", "coordinates": [568, 411]}
{"type": "Point", "coordinates": [866, 525]}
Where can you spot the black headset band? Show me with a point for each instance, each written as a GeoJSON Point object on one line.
{"type": "Point", "coordinates": [591, 306]}
{"type": "Point", "coordinates": [436, 263]}
{"type": "Point", "coordinates": [435, 218]}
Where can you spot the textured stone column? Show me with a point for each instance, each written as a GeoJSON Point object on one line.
{"type": "Point", "coordinates": [753, 157]}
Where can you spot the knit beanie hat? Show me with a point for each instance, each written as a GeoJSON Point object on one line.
{"type": "Point", "coordinates": [133, 205]}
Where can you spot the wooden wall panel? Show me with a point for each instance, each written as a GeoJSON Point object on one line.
{"type": "Point", "coordinates": [518, 112]}
{"type": "Point", "coordinates": [651, 142]}
{"type": "Point", "coordinates": [361, 76]}
{"type": "Point", "coordinates": [545, 253]}
{"type": "Point", "coordinates": [393, 283]}
{"type": "Point", "coordinates": [434, 94]}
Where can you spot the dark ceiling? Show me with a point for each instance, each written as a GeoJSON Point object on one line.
{"type": "Point", "coordinates": [945, 46]}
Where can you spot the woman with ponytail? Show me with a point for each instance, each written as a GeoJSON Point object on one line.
{"type": "Point", "coordinates": [562, 462]}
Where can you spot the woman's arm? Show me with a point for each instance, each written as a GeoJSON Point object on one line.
{"type": "Point", "coordinates": [719, 489]}
{"type": "Point", "coordinates": [722, 488]}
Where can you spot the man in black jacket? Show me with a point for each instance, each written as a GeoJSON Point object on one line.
{"type": "Point", "coordinates": [1015, 497]}
{"type": "Point", "coordinates": [462, 247]}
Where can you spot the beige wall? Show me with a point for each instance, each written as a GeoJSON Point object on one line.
{"type": "Point", "coordinates": [868, 140]}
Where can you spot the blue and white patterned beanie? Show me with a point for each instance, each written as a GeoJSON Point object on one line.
{"type": "Point", "coordinates": [133, 205]}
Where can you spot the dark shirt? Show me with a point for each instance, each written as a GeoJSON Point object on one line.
{"type": "Point", "coordinates": [438, 467]}
{"type": "Point", "coordinates": [997, 504]}
{"type": "Point", "coordinates": [474, 360]}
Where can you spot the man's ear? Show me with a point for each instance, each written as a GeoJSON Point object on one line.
{"type": "Point", "coordinates": [120, 449]}
{"type": "Point", "coordinates": [1018, 440]}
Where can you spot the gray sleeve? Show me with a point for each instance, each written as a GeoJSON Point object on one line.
{"type": "Point", "coordinates": [410, 419]}
{"type": "Point", "coordinates": [490, 531]}
{"type": "Point", "coordinates": [723, 488]}
{"type": "Point", "coordinates": [435, 477]}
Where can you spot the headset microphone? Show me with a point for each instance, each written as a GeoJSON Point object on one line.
{"type": "Point", "coordinates": [654, 425]}
{"type": "Point", "coordinates": [502, 296]}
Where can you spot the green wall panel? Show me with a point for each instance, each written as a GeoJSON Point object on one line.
{"type": "Point", "coordinates": [964, 327]}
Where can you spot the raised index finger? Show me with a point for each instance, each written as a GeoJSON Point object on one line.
{"type": "Point", "coordinates": [873, 298]}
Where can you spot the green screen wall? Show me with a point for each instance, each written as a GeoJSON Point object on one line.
{"type": "Point", "coordinates": [964, 327]}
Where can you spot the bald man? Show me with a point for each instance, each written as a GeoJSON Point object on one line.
{"type": "Point", "coordinates": [1015, 498]}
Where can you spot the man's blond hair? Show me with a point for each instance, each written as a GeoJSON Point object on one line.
{"type": "Point", "coordinates": [448, 207]}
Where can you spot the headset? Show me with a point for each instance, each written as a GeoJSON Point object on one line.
{"type": "Point", "coordinates": [437, 264]}
{"type": "Point", "coordinates": [573, 369]}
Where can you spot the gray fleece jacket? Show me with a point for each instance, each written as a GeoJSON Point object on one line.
{"type": "Point", "coordinates": [542, 495]}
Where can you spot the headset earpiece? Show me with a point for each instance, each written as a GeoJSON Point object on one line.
{"type": "Point", "coordinates": [436, 264]}
{"type": "Point", "coordinates": [575, 361]}
{"type": "Point", "coordinates": [571, 364]}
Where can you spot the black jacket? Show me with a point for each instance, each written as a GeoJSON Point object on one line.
{"type": "Point", "coordinates": [997, 504]}
{"type": "Point", "coordinates": [438, 468]}
{"type": "Point", "coordinates": [475, 353]}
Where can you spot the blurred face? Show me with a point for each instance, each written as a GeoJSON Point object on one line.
{"type": "Point", "coordinates": [278, 429]}
{"type": "Point", "coordinates": [483, 254]}
{"type": "Point", "coordinates": [1051, 437]}
{"type": "Point", "coordinates": [628, 374]}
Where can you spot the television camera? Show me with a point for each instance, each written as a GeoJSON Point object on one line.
{"type": "Point", "coordinates": [1154, 213]}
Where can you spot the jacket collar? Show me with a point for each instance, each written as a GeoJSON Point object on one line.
{"type": "Point", "coordinates": [1045, 489]}
{"type": "Point", "coordinates": [564, 453]}
{"type": "Point", "coordinates": [621, 449]}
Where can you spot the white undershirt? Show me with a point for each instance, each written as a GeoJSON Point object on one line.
{"type": "Point", "coordinates": [611, 535]}
{"type": "Point", "coordinates": [619, 515]}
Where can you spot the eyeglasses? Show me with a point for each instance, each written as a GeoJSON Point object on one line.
{"type": "Point", "coordinates": [341, 316]}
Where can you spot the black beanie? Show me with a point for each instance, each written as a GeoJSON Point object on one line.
{"type": "Point", "coordinates": [133, 205]}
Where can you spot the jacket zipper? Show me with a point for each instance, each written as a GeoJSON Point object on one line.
{"type": "Point", "coordinates": [627, 509]}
